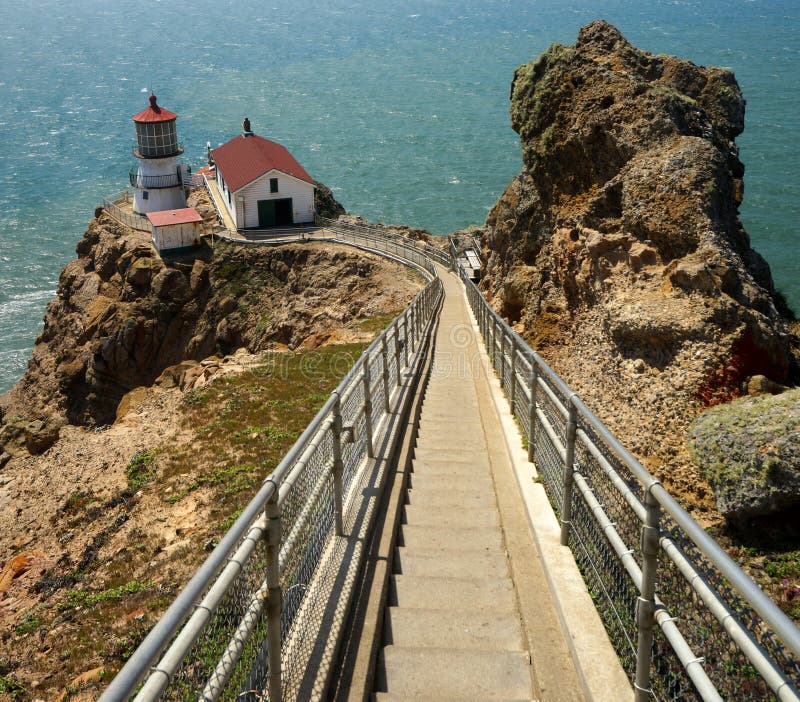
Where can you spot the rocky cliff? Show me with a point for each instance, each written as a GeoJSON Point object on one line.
{"type": "Point", "coordinates": [122, 314]}
{"type": "Point", "coordinates": [161, 393]}
{"type": "Point", "coordinates": [618, 251]}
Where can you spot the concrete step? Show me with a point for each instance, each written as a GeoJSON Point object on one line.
{"type": "Point", "coordinates": [445, 466]}
{"type": "Point", "coordinates": [449, 564]}
{"type": "Point", "coordinates": [428, 453]}
{"type": "Point", "coordinates": [389, 697]}
{"type": "Point", "coordinates": [462, 674]}
{"type": "Point", "coordinates": [454, 440]}
{"type": "Point", "coordinates": [453, 628]}
{"type": "Point", "coordinates": [444, 481]}
{"type": "Point", "coordinates": [456, 538]}
{"type": "Point", "coordinates": [475, 517]}
{"type": "Point", "coordinates": [483, 592]}
{"type": "Point", "coordinates": [453, 498]}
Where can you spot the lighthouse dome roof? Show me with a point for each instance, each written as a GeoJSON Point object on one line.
{"type": "Point", "coordinates": [154, 113]}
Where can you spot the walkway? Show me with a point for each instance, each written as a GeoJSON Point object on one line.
{"type": "Point", "coordinates": [457, 627]}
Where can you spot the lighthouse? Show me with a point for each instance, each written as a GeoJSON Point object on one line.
{"type": "Point", "coordinates": [158, 179]}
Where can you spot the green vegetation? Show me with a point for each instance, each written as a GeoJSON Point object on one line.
{"type": "Point", "coordinates": [380, 322]}
{"type": "Point", "coordinates": [244, 425]}
{"type": "Point", "coordinates": [88, 598]}
{"type": "Point", "coordinates": [139, 470]}
{"type": "Point", "coordinates": [11, 687]}
{"type": "Point", "coordinates": [29, 624]}
{"type": "Point", "coordinates": [194, 397]}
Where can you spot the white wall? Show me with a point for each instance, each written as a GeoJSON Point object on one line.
{"type": "Point", "coordinates": [228, 200]}
{"type": "Point", "coordinates": [301, 192]}
{"type": "Point", "coordinates": [176, 236]}
{"type": "Point", "coordinates": [158, 199]}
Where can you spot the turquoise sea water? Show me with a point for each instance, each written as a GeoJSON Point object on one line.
{"type": "Point", "coordinates": [400, 107]}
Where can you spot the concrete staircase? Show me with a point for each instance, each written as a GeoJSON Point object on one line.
{"type": "Point", "coordinates": [452, 630]}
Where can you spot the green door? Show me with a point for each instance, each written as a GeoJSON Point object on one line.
{"type": "Point", "coordinates": [275, 213]}
{"type": "Point", "coordinates": [266, 213]}
{"type": "Point", "coordinates": [284, 215]}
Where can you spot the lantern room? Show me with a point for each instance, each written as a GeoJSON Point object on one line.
{"type": "Point", "coordinates": [158, 180]}
{"type": "Point", "coordinates": [156, 132]}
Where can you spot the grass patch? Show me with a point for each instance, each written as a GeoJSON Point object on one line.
{"type": "Point", "coordinates": [138, 471]}
{"type": "Point", "coordinates": [11, 687]}
{"type": "Point", "coordinates": [88, 598]}
{"type": "Point", "coordinates": [376, 324]}
{"type": "Point", "coordinates": [195, 397]}
{"type": "Point", "coordinates": [30, 623]}
{"type": "Point", "coordinates": [234, 480]}
{"type": "Point", "coordinates": [245, 424]}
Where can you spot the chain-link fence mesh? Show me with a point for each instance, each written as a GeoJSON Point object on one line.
{"type": "Point", "coordinates": [199, 667]}
{"type": "Point", "coordinates": [228, 658]}
{"type": "Point", "coordinates": [621, 498]}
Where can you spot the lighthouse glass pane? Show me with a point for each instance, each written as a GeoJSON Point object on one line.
{"type": "Point", "coordinates": [157, 139]}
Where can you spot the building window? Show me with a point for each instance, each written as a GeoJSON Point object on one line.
{"type": "Point", "coordinates": [145, 195]}
{"type": "Point", "coordinates": [273, 185]}
{"type": "Point", "coordinates": [230, 201]}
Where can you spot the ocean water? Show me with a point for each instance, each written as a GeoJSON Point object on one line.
{"type": "Point", "coordinates": [400, 107]}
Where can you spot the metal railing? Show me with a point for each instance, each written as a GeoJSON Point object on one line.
{"type": "Point", "coordinates": [129, 219]}
{"type": "Point", "coordinates": [685, 620]}
{"type": "Point", "coordinates": [384, 240]}
{"type": "Point", "coordinates": [227, 634]}
{"type": "Point", "coordinates": [154, 182]}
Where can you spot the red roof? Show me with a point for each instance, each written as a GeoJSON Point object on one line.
{"type": "Point", "coordinates": [164, 218]}
{"type": "Point", "coordinates": [154, 113]}
{"type": "Point", "coordinates": [245, 158]}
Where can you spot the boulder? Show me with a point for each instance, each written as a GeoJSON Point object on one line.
{"type": "Point", "coordinates": [749, 451]}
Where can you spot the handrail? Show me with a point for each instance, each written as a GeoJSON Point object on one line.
{"type": "Point", "coordinates": [686, 621]}
{"type": "Point", "coordinates": [572, 474]}
{"type": "Point", "coordinates": [154, 182]}
{"type": "Point", "coordinates": [210, 589]}
{"type": "Point", "coordinates": [129, 219]}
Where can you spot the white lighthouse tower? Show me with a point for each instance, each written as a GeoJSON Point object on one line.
{"type": "Point", "coordinates": [158, 180]}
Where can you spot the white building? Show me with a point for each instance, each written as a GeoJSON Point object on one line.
{"type": "Point", "coordinates": [158, 180]}
{"type": "Point", "coordinates": [261, 183]}
{"type": "Point", "coordinates": [175, 229]}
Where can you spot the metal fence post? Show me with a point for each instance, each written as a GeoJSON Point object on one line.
{"type": "Point", "coordinates": [274, 596]}
{"type": "Point", "coordinates": [338, 465]}
{"type": "Point", "coordinates": [385, 361]}
{"type": "Point", "coordinates": [413, 313]}
{"type": "Point", "coordinates": [397, 351]}
{"type": "Point", "coordinates": [494, 342]}
{"type": "Point", "coordinates": [405, 340]}
{"type": "Point", "coordinates": [368, 406]}
{"type": "Point", "coordinates": [534, 384]}
{"type": "Point", "coordinates": [502, 358]}
{"type": "Point", "coordinates": [645, 604]}
{"type": "Point", "coordinates": [513, 393]}
{"type": "Point", "coordinates": [569, 461]}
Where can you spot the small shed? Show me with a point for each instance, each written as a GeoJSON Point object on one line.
{"type": "Point", "coordinates": [261, 184]}
{"type": "Point", "coordinates": [175, 229]}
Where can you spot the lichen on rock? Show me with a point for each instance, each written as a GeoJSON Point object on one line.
{"type": "Point", "coordinates": [749, 450]}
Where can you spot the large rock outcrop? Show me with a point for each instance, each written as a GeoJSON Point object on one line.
{"type": "Point", "coordinates": [618, 250]}
{"type": "Point", "coordinates": [749, 450]}
{"type": "Point", "coordinates": [122, 314]}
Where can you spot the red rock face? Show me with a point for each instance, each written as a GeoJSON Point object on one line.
{"type": "Point", "coordinates": [618, 250]}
